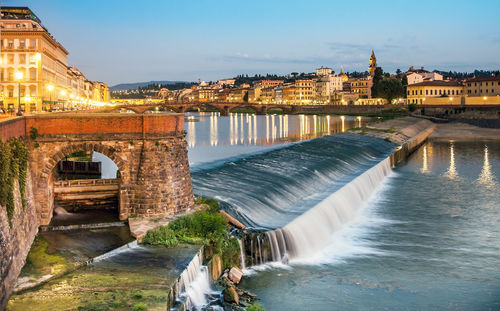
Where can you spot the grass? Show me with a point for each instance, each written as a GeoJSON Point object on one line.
{"type": "Point", "coordinates": [86, 290]}
{"type": "Point", "coordinates": [39, 262]}
{"type": "Point", "coordinates": [204, 227]}
{"type": "Point", "coordinates": [243, 110]}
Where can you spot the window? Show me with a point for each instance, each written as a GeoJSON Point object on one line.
{"type": "Point", "coordinates": [420, 92]}
{"type": "Point", "coordinates": [33, 74]}
{"type": "Point", "coordinates": [32, 43]}
{"type": "Point", "coordinates": [426, 92]}
{"type": "Point", "coordinates": [10, 59]}
{"type": "Point", "coordinates": [22, 58]}
{"type": "Point", "coordinates": [22, 44]}
{"type": "Point", "coordinates": [18, 26]}
{"type": "Point", "coordinates": [11, 44]}
{"type": "Point", "coordinates": [492, 91]}
{"type": "Point", "coordinates": [486, 90]}
{"type": "Point", "coordinates": [32, 90]}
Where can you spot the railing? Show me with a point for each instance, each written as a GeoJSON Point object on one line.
{"type": "Point", "coordinates": [86, 182]}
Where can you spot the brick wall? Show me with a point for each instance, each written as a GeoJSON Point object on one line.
{"type": "Point", "coordinates": [12, 127]}
{"type": "Point", "coordinates": [104, 123]}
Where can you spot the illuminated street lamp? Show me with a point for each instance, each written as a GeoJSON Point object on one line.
{"type": "Point", "coordinates": [19, 77]}
{"type": "Point", "coordinates": [63, 93]}
{"type": "Point", "coordinates": [50, 87]}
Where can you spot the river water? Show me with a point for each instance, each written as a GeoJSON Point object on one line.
{"type": "Point", "coordinates": [427, 238]}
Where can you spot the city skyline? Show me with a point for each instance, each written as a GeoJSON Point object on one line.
{"type": "Point", "coordinates": [119, 42]}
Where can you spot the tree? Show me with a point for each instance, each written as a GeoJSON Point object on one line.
{"type": "Point", "coordinates": [398, 71]}
{"type": "Point", "coordinates": [295, 74]}
{"type": "Point", "coordinates": [379, 74]}
{"type": "Point", "coordinates": [404, 82]}
{"type": "Point", "coordinates": [390, 88]}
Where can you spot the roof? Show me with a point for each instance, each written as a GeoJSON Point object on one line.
{"type": "Point", "coordinates": [481, 79]}
{"type": "Point", "coordinates": [437, 83]}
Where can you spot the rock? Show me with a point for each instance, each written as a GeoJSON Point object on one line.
{"type": "Point", "coordinates": [230, 295]}
{"type": "Point", "coordinates": [216, 267]}
{"type": "Point", "coordinates": [61, 211]}
{"type": "Point", "coordinates": [235, 275]}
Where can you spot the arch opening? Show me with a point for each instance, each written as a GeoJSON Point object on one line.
{"type": "Point", "coordinates": [85, 188]}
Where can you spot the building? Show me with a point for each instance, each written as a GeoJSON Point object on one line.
{"type": "Point", "coordinates": [323, 71]}
{"type": "Point", "coordinates": [267, 95]}
{"type": "Point", "coordinates": [238, 95]}
{"type": "Point", "coordinates": [419, 92]}
{"type": "Point", "coordinates": [269, 83]}
{"type": "Point", "coordinates": [483, 86]}
{"type": "Point", "coordinates": [373, 64]}
{"type": "Point", "coordinates": [33, 67]}
{"type": "Point", "coordinates": [325, 87]}
{"type": "Point", "coordinates": [226, 82]}
{"type": "Point", "coordinates": [361, 86]}
{"type": "Point", "coordinates": [421, 75]}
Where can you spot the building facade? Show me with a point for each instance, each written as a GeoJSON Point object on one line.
{"type": "Point", "coordinates": [419, 92]}
{"type": "Point", "coordinates": [483, 86]}
{"type": "Point", "coordinates": [33, 67]}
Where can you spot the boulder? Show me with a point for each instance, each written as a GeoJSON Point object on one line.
{"type": "Point", "coordinates": [235, 275]}
{"type": "Point", "coordinates": [230, 295]}
{"type": "Point", "coordinates": [216, 267]}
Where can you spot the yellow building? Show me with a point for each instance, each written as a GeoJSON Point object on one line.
{"type": "Point", "coordinates": [483, 86]}
{"type": "Point", "coordinates": [419, 92]}
{"type": "Point", "coordinates": [362, 87]}
{"type": "Point", "coordinates": [33, 67]}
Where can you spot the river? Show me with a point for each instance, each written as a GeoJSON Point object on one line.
{"type": "Point", "coordinates": [426, 238]}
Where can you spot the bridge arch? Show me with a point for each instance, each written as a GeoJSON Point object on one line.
{"type": "Point", "coordinates": [54, 153]}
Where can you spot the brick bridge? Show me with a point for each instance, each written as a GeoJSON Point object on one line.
{"type": "Point", "coordinates": [149, 150]}
{"type": "Point", "coordinates": [153, 180]}
{"type": "Point", "coordinates": [226, 107]}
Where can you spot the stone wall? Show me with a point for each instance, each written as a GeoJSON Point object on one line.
{"type": "Point", "coordinates": [16, 240]}
{"type": "Point", "coordinates": [154, 171]}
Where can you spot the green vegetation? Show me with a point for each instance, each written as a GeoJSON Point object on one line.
{"type": "Point", "coordinates": [39, 262]}
{"type": "Point", "coordinates": [13, 164]}
{"type": "Point", "coordinates": [256, 307]}
{"type": "Point", "coordinates": [82, 156]}
{"type": "Point", "coordinates": [243, 110]}
{"type": "Point", "coordinates": [139, 306]}
{"type": "Point", "coordinates": [390, 88]}
{"type": "Point", "coordinates": [33, 133]}
{"type": "Point", "coordinates": [412, 107]}
{"type": "Point", "coordinates": [275, 111]}
{"type": "Point", "coordinates": [205, 227]}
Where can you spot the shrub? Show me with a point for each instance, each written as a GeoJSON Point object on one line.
{"type": "Point", "coordinates": [412, 107]}
{"type": "Point", "coordinates": [139, 306]}
{"type": "Point", "coordinates": [206, 227]}
{"type": "Point", "coordinates": [256, 307]}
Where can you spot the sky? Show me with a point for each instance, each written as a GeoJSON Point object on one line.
{"type": "Point", "coordinates": [121, 41]}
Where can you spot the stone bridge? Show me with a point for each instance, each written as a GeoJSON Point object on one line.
{"type": "Point", "coordinates": [148, 149]}
{"type": "Point", "coordinates": [224, 108]}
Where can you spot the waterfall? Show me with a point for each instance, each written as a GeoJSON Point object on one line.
{"type": "Point", "coordinates": [313, 230]}
{"type": "Point", "coordinates": [194, 286]}
{"type": "Point", "coordinates": [242, 254]}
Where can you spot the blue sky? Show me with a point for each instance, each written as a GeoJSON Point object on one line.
{"type": "Point", "coordinates": [128, 41]}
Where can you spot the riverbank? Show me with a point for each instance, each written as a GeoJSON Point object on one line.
{"type": "Point", "coordinates": [463, 132]}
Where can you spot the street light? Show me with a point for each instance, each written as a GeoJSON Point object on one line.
{"type": "Point", "coordinates": [19, 77]}
{"type": "Point", "coordinates": [63, 93]}
{"type": "Point", "coordinates": [50, 87]}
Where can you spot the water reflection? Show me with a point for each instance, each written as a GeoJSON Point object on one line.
{"type": "Point", "coordinates": [452, 173]}
{"type": "Point", "coordinates": [251, 129]}
{"type": "Point", "coordinates": [425, 166]}
{"type": "Point", "coordinates": [486, 178]}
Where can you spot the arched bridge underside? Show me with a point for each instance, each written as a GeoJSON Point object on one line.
{"type": "Point", "coordinates": [149, 150]}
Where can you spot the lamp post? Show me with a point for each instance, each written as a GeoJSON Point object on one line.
{"type": "Point", "coordinates": [50, 87]}
{"type": "Point", "coordinates": [63, 93]}
{"type": "Point", "coordinates": [19, 77]}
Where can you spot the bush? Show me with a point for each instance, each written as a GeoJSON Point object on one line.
{"type": "Point", "coordinates": [139, 306]}
{"type": "Point", "coordinates": [412, 107]}
{"type": "Point", "coordinates": [206, 227]}
{"type": "Point", "coordinates": [256, 307]}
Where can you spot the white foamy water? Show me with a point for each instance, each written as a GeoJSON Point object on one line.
{"type": "Point", "coordinates": [325, 229]}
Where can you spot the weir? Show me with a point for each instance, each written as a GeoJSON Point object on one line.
{"type": "Point", "coordinates": [312, 231]}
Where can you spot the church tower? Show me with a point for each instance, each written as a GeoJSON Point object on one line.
{"type": "Point", "coordinates": [373, 64]}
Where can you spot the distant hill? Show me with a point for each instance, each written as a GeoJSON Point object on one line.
{"type": "Point", "coordinates": [134, 86]}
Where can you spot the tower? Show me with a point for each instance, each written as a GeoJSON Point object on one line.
{"type": "Point", "coordinates": [373, 64]}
